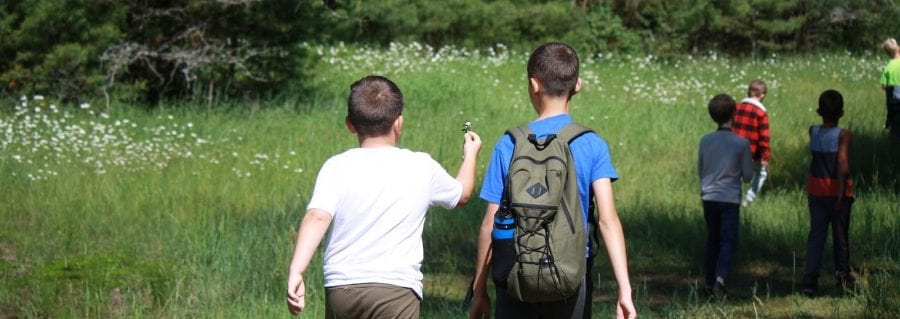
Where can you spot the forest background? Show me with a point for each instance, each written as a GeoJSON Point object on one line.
{"type": "Point", "coordinates": [147, 52]}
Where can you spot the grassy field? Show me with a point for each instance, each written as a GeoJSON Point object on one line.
{"type": "Point", "coordinates": [192, 212]}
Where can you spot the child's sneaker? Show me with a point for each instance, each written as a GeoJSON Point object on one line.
{"type": "Point", "coordinates": [719, 288]}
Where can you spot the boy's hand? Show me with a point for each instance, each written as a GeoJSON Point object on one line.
{"type": "Point", "coordinates": [481, 306]}
{"type": "Point", "coordinates": [296, 295]}
{"type": "Point", "coordinates": [471, 145]}
{"type": "Point", "coordinates": [625, 308]}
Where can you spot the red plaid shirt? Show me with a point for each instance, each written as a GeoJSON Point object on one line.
{"type": "Point", "coordinates": [752, 122]}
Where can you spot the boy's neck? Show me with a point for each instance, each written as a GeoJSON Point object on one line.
{"type": "Point", "coordinates": [388, 140]}
{"type": "Point", "coordinates": [552, 106]}
{"type": "Point", "coordinates": [829, 123]}
{"type": "Point", "coordinates": [726, 126]}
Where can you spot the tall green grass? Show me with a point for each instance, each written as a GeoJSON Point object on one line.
{"type": "Point", "coordinates": [208, 230]}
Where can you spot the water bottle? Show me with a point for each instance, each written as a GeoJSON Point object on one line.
{"type": "Point", "coordinates": [504, 225]}
{"type": "Point", "coordinates": [504, 250]}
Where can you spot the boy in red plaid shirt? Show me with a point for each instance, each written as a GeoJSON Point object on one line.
{"type": "Point", "coordinates": [752, 122]}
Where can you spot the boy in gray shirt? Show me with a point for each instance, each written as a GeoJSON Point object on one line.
{"type": "Point", "coordinates": [724, 161]}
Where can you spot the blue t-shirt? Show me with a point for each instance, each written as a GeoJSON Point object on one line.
{"type": "Point", "coordinates": [590, 152]}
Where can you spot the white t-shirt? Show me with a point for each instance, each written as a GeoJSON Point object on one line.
{"type": "Point", "coordinates": [378, 198]}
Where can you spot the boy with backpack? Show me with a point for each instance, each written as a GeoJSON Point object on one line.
{"type": "Point", "coordinates": [724, 160]}
{"type": "Point", "coordinates": [375, 198]}
{"type": "Point", "coordinates": [534, 239]}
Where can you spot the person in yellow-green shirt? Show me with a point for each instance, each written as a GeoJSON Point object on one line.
{"type": "Point", "coordinates": [890, 83]}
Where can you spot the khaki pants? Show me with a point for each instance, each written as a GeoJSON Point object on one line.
{"type": "Point", "coordinates": [371, 301]}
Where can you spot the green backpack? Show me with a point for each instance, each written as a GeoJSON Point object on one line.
{"type": "Point", "coordinates": [548, 249]}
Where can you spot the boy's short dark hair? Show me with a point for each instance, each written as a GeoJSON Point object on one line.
{"type": "Point", "coordinates": [721, 108]}
{"type": "Point", "coordinates": [374, 103]}
{"type": "Point", "coordinates": [555, 65]}
{"type": "Point", "coordinates": [831, 105]}
{"type": "Point", "coordinates": [757, 88]}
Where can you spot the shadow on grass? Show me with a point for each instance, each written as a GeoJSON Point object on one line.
{"type": "Point", "coordinates": [666, 253]}
{"type": "Point", "coordinates": [875, 162]}
{"type": "Point", "coordinates": [666, 256]}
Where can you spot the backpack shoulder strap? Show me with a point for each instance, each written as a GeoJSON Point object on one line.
{"type": "Point", "coordinates": [519, 133]}
{"type": "Point", "coordinates": [572, 131]}
{"type": "Point", "coordinates": [569, 133]}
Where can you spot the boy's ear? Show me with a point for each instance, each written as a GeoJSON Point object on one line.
{"type": "Point", "coordinates": [577, 86]}
{"type": "Point", "coordinates": [398, 123]}
{"type": "Point", "coordinates": [535, 85]}
{"type": "Point", "coordinates": [349, 125]}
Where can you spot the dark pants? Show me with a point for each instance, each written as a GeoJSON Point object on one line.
{"type": "Point", "coordinates": [893, 119]}
{"type": "Point", "coordinates": [823, 211]}
{"type": "Point", "coordinates": [722, 221]}
{"type": "Point", "coordinates": [574, 307]}
{"type": "Point", "coordinates": [892, 97]}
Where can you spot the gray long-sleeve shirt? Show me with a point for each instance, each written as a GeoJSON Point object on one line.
{"type": "Point", "coordinates": [723, 162]}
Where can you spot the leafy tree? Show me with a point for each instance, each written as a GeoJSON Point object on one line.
{"type": "Point", "coordinates": [50, 47]}
{"type": "Point", "coordinates": [204, 49]}
{"type": "Point", "coordinates": [151, 50]}
{"type": "Point", "coordinates": [599, 30]}
{"type": "Point", "coordinates": [850, 24]}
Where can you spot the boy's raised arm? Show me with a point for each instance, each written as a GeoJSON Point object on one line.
{"type": "Point", "coordinates": [614, 238]}
{"type": "Point", "coordinates": [466, 174]}
{"type": "Point", "coordinates": [313, 227]}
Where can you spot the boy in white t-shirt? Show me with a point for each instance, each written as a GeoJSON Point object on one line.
{"type": "Point", "coordinates": [376, 196]}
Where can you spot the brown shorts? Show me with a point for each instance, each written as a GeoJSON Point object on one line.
{"type": "Point", "coordinates": [371, 301]}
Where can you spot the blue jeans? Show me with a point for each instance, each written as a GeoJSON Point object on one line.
{"type": "Point", "coordinates": [759, 178]}
{"type": "Point", "coordinates": [822, 212]}
{"type": "Point", "coordinates": [722, 221]}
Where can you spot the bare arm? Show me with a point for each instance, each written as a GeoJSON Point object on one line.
{"type": "Point", "coordinates": [481, 303]}
{"type": "Point", "coordinates": [466, 174]}
{"type": "Point", "coordinates": [313, 227]}
{"type": "Point", "coordinates": [843, 161]}
{"type": "Point", "coordinates": [614, 238]}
